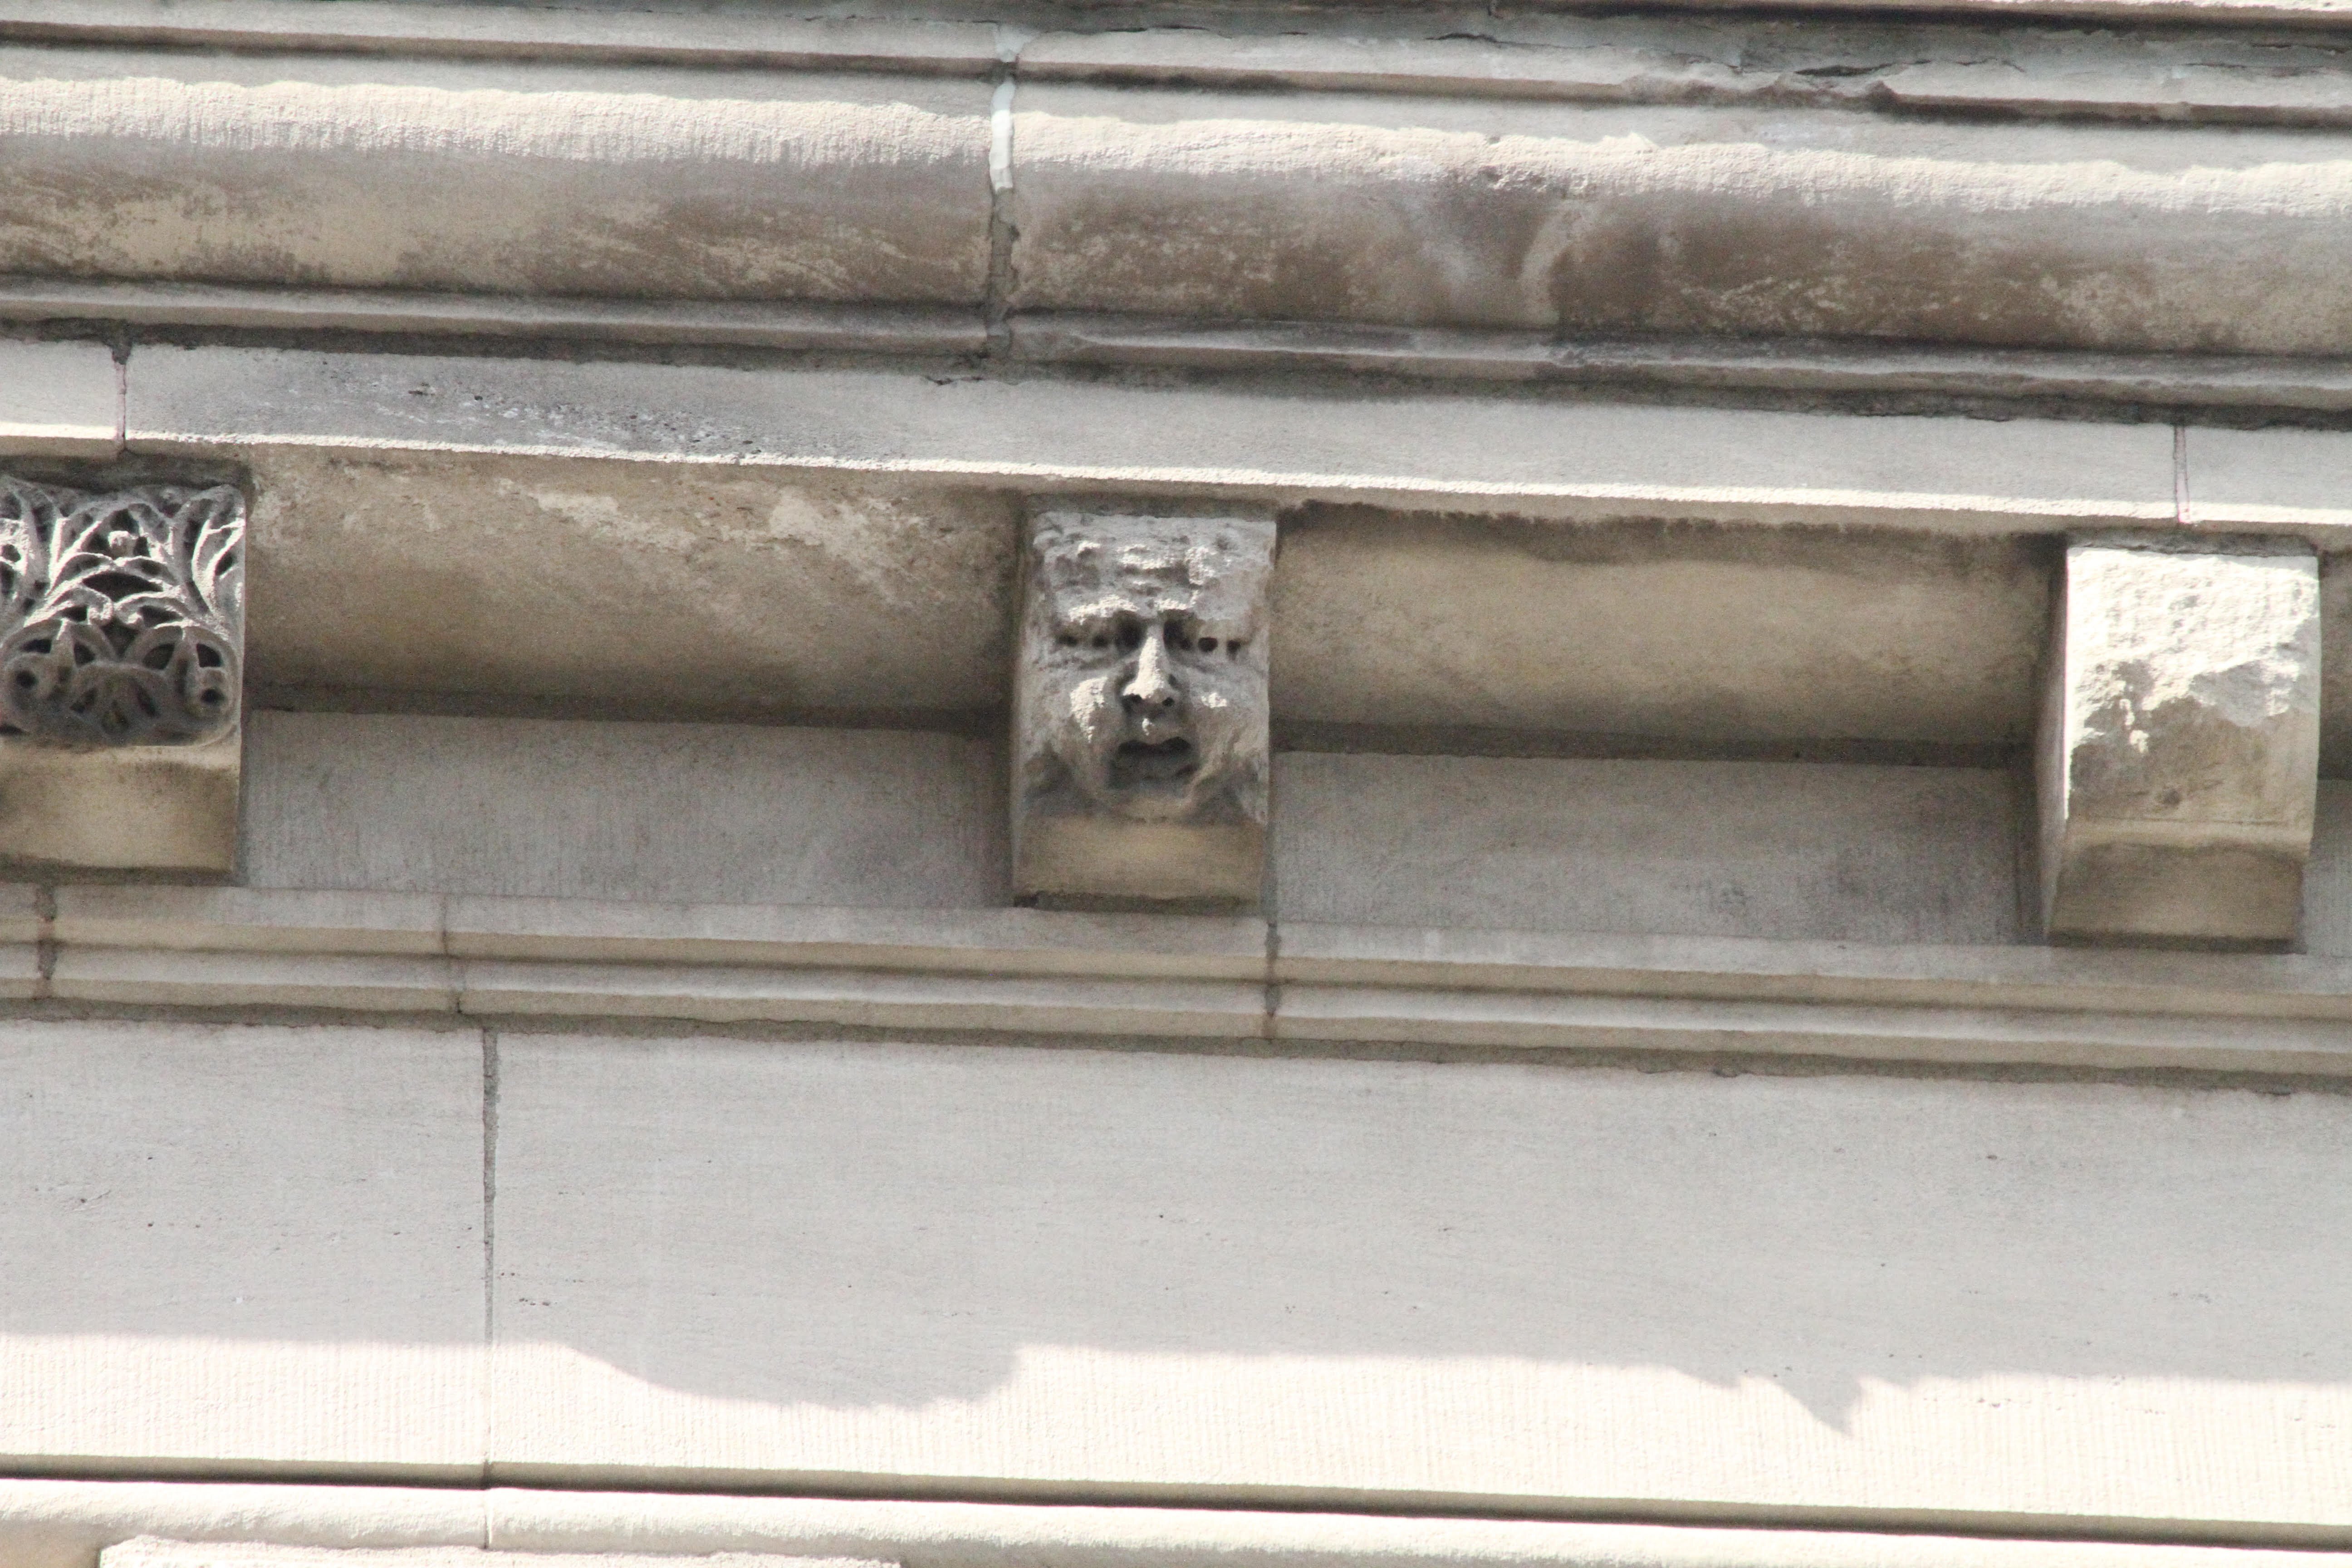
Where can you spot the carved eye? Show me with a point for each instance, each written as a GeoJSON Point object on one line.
{"type": "Point", "coordinates": [1208, 645]}
{"type": "Point", "coordinates": [1236, 645]}
{"type": "Point", "coordinates": [1130, 638]}
{"type": "Point", "coordinates": [1066, 640]}
{"type": "Point", "coordinates": [1101, 641]}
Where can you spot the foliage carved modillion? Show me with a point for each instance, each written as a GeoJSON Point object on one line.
{"type": "Point", "coordinates": [124, 613]}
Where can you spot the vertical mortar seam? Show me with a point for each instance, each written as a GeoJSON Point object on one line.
{"type": "Point", "coordinates": [996, 303]}
{"type": "Point", "coordinates": [2181, 475]}
{"type": "Point", "coordinates": [44, 941]}
{"type": "Point", "coordinates": [489, 1255]}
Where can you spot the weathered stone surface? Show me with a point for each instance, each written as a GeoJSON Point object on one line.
{"type": "Point", "coordinates": [364, 171]}
{"type": "Point", "coordinates": [408, 575]}
{"type": "Point", "coordinates": [704, 812]}
{"type": "Point", "coordinates": [1696, 849]}
{"type": "Point", "coordinates": [123, 808]}
{"type": "Point", "coordinates": [1141, 736]}
{"type": "Point", "coordinates": [1454, 624]}
{"type": "Point", "coordinates": [1586, 460]}
{"type": "Point", "coordinates": [1584, 218]}
{"type": "Point", "coordinates": [2181, 743]}
{"type": "Point", "coordinates": [2289, 480]}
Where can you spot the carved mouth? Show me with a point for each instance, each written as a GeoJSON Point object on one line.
{"type": "Point", "coordinates": [1152, 761]}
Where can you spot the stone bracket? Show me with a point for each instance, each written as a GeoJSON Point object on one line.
{"type": "Point", "coordinates": [2178, 759]}
{"type": "Point", "coordinates": [1140, 733]}
{"type": "Point", "coordinates": [122, 656]}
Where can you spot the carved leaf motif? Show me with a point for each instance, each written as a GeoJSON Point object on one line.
{"type": "Point", "coordinates": [125, 613]}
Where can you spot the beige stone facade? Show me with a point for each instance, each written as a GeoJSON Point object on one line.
{"type": "Point", "coordinates": [1175, 787]}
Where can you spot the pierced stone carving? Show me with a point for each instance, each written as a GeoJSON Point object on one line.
{"type": "Point", "coordinates": [1140, 708]}
{"type": "Point", "coordinates": [125, 613]}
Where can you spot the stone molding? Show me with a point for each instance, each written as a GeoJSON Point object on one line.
{"type": "Point", "coordinates": [1030, 972]}
{"type": "Point", "coordinates": [48, 1523]}
{"type": "Point", "coordinates": [1842, 222]}
{"type": "Point", "coordinates": [150, 1552]}
{"type": "Point", "coordinates": [1140, 721]}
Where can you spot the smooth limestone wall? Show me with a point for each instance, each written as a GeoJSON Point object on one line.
{"type": "Point", "coordinates": [746, 813]}
{"type": "Point", "coordinates": [400, 1253]}
{"type": "Point", "coordinates": [675, 812]}
{"type": "Point", "coordinates": [751, 813]}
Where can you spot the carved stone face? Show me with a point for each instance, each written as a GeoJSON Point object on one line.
{"type": "Point", "coordinates": [1144, 666]}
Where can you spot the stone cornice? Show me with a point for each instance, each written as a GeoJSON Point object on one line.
{"type": "Point", "coordinates": [1849, 182]}
{"type": "Point", "coordinates": [1171, 977]}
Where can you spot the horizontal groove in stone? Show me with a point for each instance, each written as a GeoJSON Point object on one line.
{"type": "Point", "coordinates": [1801, 367]}
{"type": "Point", "coordinates": [1536, 57]}
{"type": "Point", "coordinates": [779, 324]}
{"type": "Point", "coordinates": [1024, 971]}
{"type": "Point", "coordinates": [376, 26]}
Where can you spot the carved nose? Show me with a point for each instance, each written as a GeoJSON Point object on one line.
{"type": "Point", "coordinates": [1150, 690]}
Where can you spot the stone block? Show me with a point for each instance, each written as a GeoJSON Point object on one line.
{"type": "Point", "coordinates": [121, 660]}
{"type": "Point", "coordinates": [1628, 218]}
{"type": "Point", "coordinates": [58, 400]}
{"type": "Point", "coordinates": [233, 1248]}
{"type": "Point", "coordinates": [740, 1265]}
{"type": "Point", "coordinates": [1140, 725]}
{"type": "Point", "coordinates": [695, 813]}
{"type": "Point", "coordinates": [1792, 850]}
{"type": "Point", "coordinates": [1400, 623]}
{"type": "Point", "coordinates": [2296, 481]}
{"type": "Point", "coordinates": [409, 572]}
{"type": "Point", "coordinates": [2180, 753]}
{"type": "Point", "coordinates": [371, 170]}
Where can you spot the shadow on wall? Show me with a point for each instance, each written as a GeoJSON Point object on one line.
{"type": "Point", "coordinates": [862, 1239]}
{"type": "Point", "coordinates": [893, 1227]}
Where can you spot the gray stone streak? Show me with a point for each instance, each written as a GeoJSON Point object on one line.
{"type": "Point", "coordinates": [1141, 708]}
{"type": "Point", "coordinates": [125, 613]}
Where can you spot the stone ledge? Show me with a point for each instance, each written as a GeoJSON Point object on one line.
{"type": "Point", "coordinates": [148, 1551]}
{"type": "Point", "coordinates": [1795, 367]}
{"type": "Point", "coordinates": [384, 26]}
{"type": "Point", "coordinates": [1513, 457]}
{"type": "Point", "coordinates": [61, 400]}
{"type": "Point", "coordinates": [1027, 971]}
{"type": "Point", "coordinates": [66, 1524]}
{"type": "Point", "coordinates": [1656, 58]}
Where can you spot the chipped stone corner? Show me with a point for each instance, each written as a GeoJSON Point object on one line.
{"type": "Point", "coordinates": [1140, 728]}
{"type": "Point", "coordinates": [2178, 759]}
{"type": "Point", "coordinates": [121, 676]}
